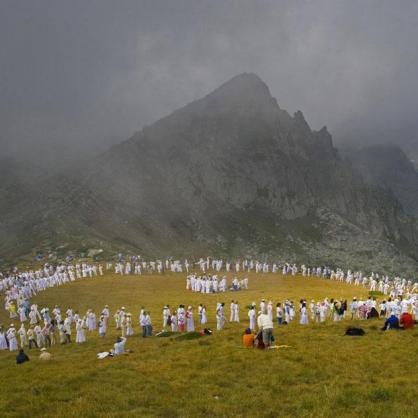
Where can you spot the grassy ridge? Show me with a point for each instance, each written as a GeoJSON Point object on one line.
{"type": "Point", "coordinates": [323, 373]}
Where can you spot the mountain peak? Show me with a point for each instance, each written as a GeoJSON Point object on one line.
{"type": "Point", "coordinates": [242, 88]}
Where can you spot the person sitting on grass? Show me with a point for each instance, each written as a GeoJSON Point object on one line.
{"type": "Point", "coordinates": [406, 320]}
{"type": "Point", "coordinates": [119, 347]}
{"type": "Point", "coordinates": [248, 338]}
{"type": "Point", "coordinates": [391, 323]}
{"type": "Point", "coordinates": [258, 341]}
{"type": "Point", "coordinates": [45, 356]}
{"type": "Point", "coordinates": [21, 357]}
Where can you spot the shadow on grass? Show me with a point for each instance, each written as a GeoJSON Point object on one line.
{"type": "Point", "coordinates": [190, 336]}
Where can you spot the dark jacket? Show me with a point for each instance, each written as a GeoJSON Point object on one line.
{"type": "Point", "coordinates": [21, 358]}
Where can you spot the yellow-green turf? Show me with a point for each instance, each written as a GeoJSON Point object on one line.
{"type": "Point", "coordinates": [322, 374]}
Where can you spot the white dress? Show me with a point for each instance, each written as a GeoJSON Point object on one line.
{"type": "Point", "coordinates": [190, 322]}
{"type": "Point", "coordinates": [303, 316]}
{"type": "Point", "coordinates": [11, 336]}
{"type": "Point", "coordinates": [129, 329]}
{"type": "Point", "coordinates": [3, 342]}
{"type": "Point", "coordinates": [80, 336]}
{"type": "Point", "coordinates": [91, 321]}
{"type": "Point", "coordinates": [174, 324]}
{"type": "Point", "coordinates": [204, 319]}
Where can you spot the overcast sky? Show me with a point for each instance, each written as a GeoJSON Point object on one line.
{"type": "Point", "coordinates": [83, 74]}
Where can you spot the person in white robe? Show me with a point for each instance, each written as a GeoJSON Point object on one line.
{"type": "Point", "coordinates": [39, 336]}
{"type": "Point", "coordinates": [80, 334]}
{"type": "Point", "coordinates": [22, 336]}
{"type": "Point", "coordinates": [303, 314]}
{"type": "Point", "coordinates": [252, 318]}
{"type": "Point", "coordinates": [204, 317]}
{"type": "Point", "coordinates": [91, 320]}
{"type": "Point", "coordinates": [166, 316]}
{"type": "Point", "coordinates": [128, 325]}
{"type": "Point", "coordinates": [220, 317]}
{"type": "Point", "coordinates": [22, 313]}
{"type": "Point", "coordinates": [189, 320]}
{"type": "Point", "coordinates": [174, 322]}
{"type": "Point", "coordinates": [3, 341]}
{"type": "Point", "coordinates": [102, 326]}
{"type": "Point", "coordinates": [236, 312]}
{"type": "Point", "coordinates": [11, 337]}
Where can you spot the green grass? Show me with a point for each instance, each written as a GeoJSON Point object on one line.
{"type": "Point", "coordinates": [322, 374]}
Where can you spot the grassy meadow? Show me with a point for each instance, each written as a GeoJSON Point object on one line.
{"type": "Point", "coordinates": [322, 374]}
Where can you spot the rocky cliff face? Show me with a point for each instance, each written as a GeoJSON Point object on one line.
{"type": "Point", "coordinates": [234, 174]}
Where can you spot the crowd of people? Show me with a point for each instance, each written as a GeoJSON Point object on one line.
{"type": "Point", "coordinates": [41, 328]}
{"type": "Point", "coordinates": [211, 284]}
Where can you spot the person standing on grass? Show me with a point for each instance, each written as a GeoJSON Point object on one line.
{"type": "Point", "coordinates": [67, 329]}
{"type": "Point", "coordinates": [354, 308]}
{"type": "Point", "coordinates": [236, 312]}
{"type": "Point", "coordinates": [106, 314]}
{"type": "Point", "coordinates": [142, 323]}
{"type": "Point", "coordinates": [181, 318]}
{"type": "Point", "coordinates": [148, 325]}
{"type": "Point", "coordinates": [102, 326]}
{"type": "Point", "coordinates": [204, 317]}
{"type": "Point", "coordinates": [80, 335]}
{"type": "Point", "coordinates": [279, 313]}
{"type": "Point", "coordinates": [303, 314]}
{"type": "Point", "coordinates": [128, 323]}
{"type": "Point", "coordinates": [91, 320]}
{"type": "Point", "coordinates": [31, 338]}
{"type": "Point", "coordinates": [252, 317]}
{"type": "Point", "coordinates": [61, 331]}
{"type": "Point", "coordinates": [415, 310]}
{"type": "Point", "coordinates": [220, 317]}
{"type": "Point", "coordinates": [265, 325]}
{"type": "Point", "coordinates": [189, 319]}
{"type": "Point", "coordinates": [11, 337]}
{"type": "Point", "coordinates": [3, 340]}
{"type": "Point", "coordinates": [22, 336]}
{"type": "Point", "coordinates": [270, 310]}
{"type": "Point", "coordinates": [39, 337]}
{"type": "Point", "coordinates": [174, 322]}
{"type": "Point", "coordinates": [46, 334]}
{"type": "Point", "coordinates": [117, 318]}
{"type": "Point", "coordinates": [232, 311]}
{"type": "Point", "coordinates": [166, 316]}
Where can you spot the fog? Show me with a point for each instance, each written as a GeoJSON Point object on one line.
{"type": "Point", "coordinates": [77, 76]}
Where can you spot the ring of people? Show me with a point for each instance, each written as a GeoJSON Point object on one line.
{"type": "Point", "coordinates": [39, 327]}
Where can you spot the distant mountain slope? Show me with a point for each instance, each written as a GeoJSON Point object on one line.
{"type": "Point", "coordinates": [231, 174]}
{"type": "Point", "coordinates": [388, 167]}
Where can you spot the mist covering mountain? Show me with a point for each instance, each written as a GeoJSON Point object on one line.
{"type": "Point", "coordinates": [231, 174]}
{"type": "Point", "coordinates": [388, 167]}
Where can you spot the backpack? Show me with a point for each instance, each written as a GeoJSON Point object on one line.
{"type": "Point", "coordinates": [354, 331]}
